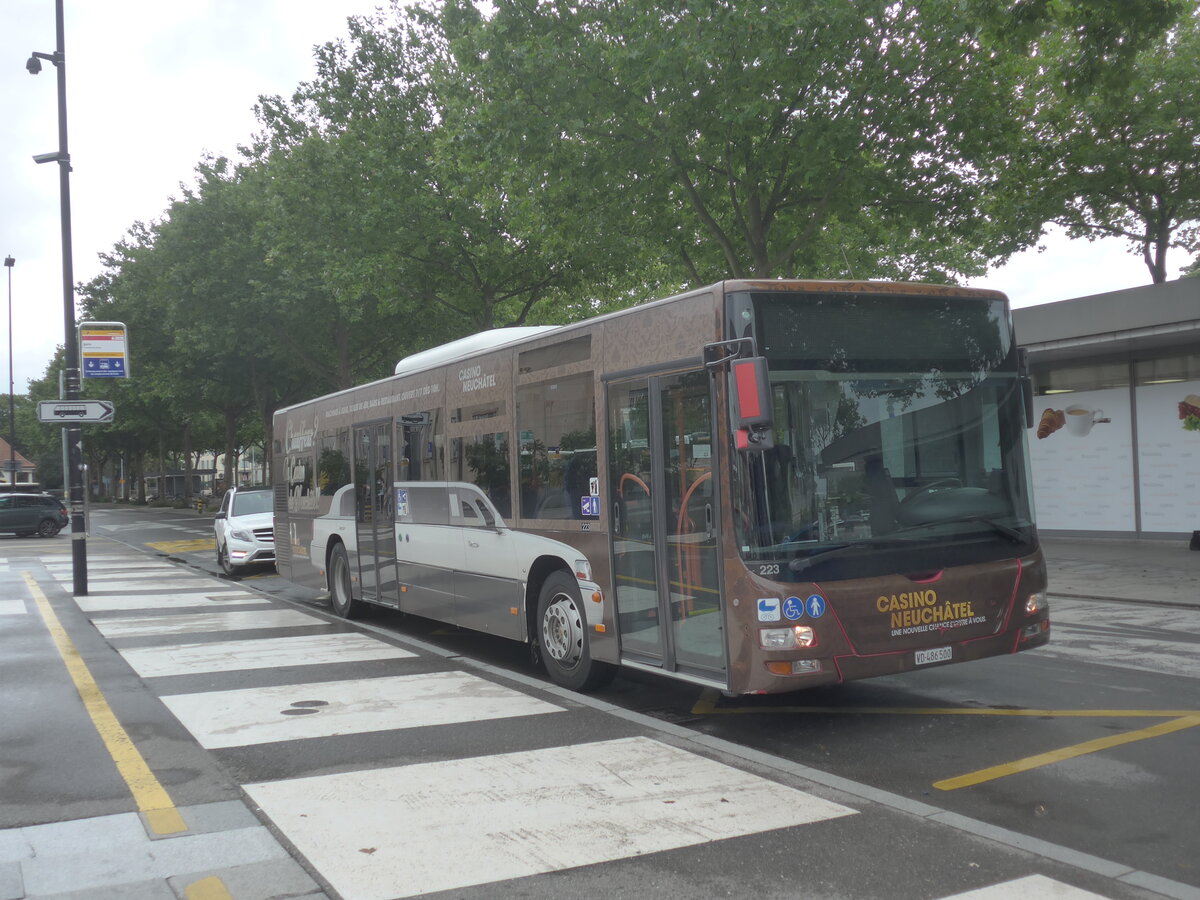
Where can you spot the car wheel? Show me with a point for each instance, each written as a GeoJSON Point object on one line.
{"type": "Point", "coordinates": [47, 528]}
{"type": "Point", "coordinates": [341, 589]}
{"type": "Point", "coordinates": [224, 563]}
{"type": "Point", "coordinates": [563, 636]}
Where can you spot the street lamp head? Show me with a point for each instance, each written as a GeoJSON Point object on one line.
{"type": "Point", "coordinates": [46, 157]}
{"type": "Point", "coordinates": [33, 65]}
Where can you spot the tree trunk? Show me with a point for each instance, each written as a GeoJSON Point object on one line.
{"type": "Point", "coordinates": [187, 462]}
{"type": "Point", "coordinates": [231, 423]}
{"type": "Point", "coordinates": [268, 446]}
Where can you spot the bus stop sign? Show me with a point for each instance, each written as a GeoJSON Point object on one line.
{"type": "Point", "coordinates": [103, 350]}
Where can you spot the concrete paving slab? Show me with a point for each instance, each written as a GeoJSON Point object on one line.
{"type": "Point", "coordinates": [94, 868]}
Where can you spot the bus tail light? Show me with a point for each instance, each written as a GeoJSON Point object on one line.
{"type": "Point", "coordinates": [1035, 603]}
{"type": "Point", "coordinates": [798, 637]}
{"type": "Point", "coordinates": [583, 570]}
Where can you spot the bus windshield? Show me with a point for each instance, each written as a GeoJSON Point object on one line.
{"type": "Point", "coordinates": [898, 436]}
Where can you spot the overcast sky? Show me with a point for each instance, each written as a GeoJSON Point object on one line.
{"type": "Point", "coordinates": [153, 85]}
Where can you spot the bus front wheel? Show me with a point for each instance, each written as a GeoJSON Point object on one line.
{"type": "Point", "coordinates": [563, 638]}
{"type": "Point", "coordinates": [341, 593]}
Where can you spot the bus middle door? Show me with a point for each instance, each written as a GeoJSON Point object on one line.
{"type": "Point", "coordinates": [375, 512]}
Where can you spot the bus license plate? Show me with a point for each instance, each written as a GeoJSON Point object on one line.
{"type": "Point", "coordinates": [934, 655]}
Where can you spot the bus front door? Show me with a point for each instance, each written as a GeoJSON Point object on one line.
{"type": "Point", "coordinates": [665, 540]}
{"type": "Point", "coordinates": [375, 513]}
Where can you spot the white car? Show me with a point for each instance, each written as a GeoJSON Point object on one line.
{"type": "Point", "coordinates": [245, 529]}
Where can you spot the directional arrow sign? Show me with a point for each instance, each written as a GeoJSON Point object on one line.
{"type": "Point", "coordinates": [75, 411]}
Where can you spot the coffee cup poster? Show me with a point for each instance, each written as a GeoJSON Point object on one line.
{"type": "Point", "coordinates": [1075, 419]}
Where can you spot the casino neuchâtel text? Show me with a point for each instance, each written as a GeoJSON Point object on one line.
{"type": "Point", "coordinates": [921, 611]}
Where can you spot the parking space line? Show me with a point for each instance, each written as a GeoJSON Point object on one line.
{"type": "Point", "coordinates": [151, 797]}
{"type": "Point", "coordinates": [1045, 759]}
{"type": "Point", "coordinates": [1179, 719]}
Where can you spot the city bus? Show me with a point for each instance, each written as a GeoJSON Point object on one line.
{"type": "Point", "coordinates": [758, 486]}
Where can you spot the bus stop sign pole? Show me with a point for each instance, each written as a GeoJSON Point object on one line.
{"type": "Point", "coordinates": [73, 476]}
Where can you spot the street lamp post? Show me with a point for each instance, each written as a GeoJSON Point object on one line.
{"type": "Point", "coordinates": [9, 262]}
{"type": "Point", "coordinates": [74, 434]}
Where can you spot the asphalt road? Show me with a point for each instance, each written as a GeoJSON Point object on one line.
{"type": "Point", "coordinates": [1087, 744]}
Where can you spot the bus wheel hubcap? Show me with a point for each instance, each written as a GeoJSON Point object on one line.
{"type": "Point", "coordinates": [562, 631]}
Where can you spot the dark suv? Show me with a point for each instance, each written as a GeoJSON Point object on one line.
{"type": "Point", "coordinates": [39, 514]}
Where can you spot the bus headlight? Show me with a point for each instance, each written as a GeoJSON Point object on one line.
{"type": "Point", "coordinates": [1035, 603]}
{"type": "Point", "coordinates": [798, 637]}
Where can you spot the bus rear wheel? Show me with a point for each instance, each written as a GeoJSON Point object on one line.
{"type": "Point", "coordinates": [341, 591]}
{"type": "Point", "coordinates": [563, 637]}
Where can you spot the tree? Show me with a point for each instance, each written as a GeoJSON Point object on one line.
{"type": "Point", "coordinates": [752, 140]}
{"type": "Point", "coordinates": [447, 233]}
{"type": "Point", "coordinates": [1125, 161]}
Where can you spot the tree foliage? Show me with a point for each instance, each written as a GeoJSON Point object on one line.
{"type": "Point", "coordinates": [1124, 161]}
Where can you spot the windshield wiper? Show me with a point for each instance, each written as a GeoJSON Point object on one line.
{"type": "Point", "coordinates": [801, 563]}
{"type": "Point", "coordinates": [1007, 531]}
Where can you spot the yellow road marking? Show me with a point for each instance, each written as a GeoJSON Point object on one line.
{"type": "Point", "coordinates": [151, 798]}
{"type": "Point", "coordinates": [707, 705]}
{"type": "Point", "coordinates": [210, 888]}
{"type": "Point", "coordinates": [1045, 759]}
{"type": "Point", "coordinates": [184, 546]}
{"type": "Point", "coordinates": [1179, 720]}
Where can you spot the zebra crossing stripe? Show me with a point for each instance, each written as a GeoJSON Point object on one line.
{"type": "Point", "coordinates": [260, 653]}
{"type": "Point", "coordinates": [448, 825]}
{"type": "Point", "coordinates": [1031, 887]}
{"type": "Point", "coordinates": [145, 626]}
{"type": "Point", "coordinates": [141, 603]}
{"type": "Point", "coordinates": [296, 711]}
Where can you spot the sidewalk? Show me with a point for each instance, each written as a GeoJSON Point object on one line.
{"type": "Point", "coordinates": [1123, 569]}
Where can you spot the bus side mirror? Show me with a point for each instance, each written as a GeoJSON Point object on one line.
{"type": "Point", "coordinates": [751, 403]}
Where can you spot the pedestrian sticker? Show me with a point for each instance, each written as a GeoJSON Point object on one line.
{"type": "Point", "coordinates": [816, 606]}
{"type": "Point", "coordinates": [401, 502]}
{"type": "Point", "coordinates": [793, 608]}
{"type": "Point", "coordinates": [589, 506]}
{"type": "Point", "coordinates": [768, 609]}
